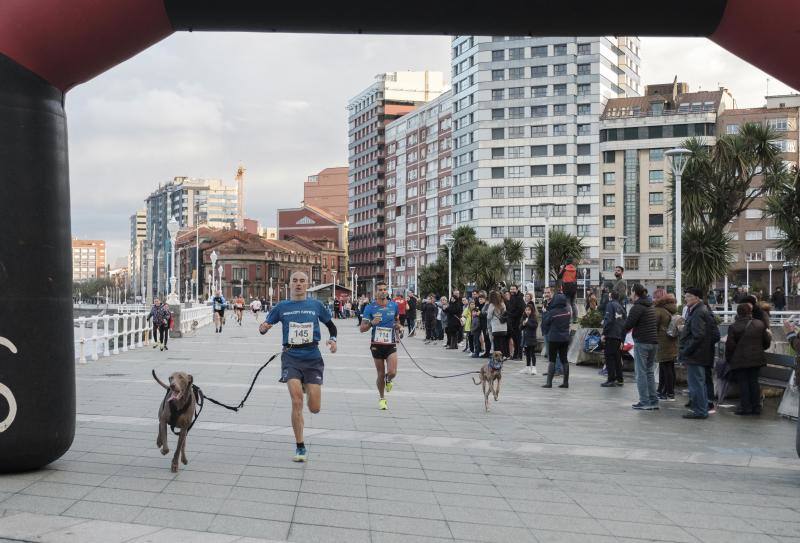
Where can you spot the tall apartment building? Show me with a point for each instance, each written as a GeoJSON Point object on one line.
{"type": "Point", "coordinates": [138, 236]}
{"type": "Point", "coordinates": [88, 259]}
{"type": "Point", "coordinates": [419, 184]}
{"type": "Point", "coordinates": [636, 229]}
{"type": "Point", "coordinates": [526, 132]}
{"type": "Point", "coordinates": [392, 95]}
{"type": "Point", "coordinates": [191, 202]}
{"type": "Point", "coordinates": [327, 191]}
{"type": "Point", "coordinates": [755, 236]}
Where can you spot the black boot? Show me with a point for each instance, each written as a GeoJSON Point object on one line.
{"type": "Point", "coordinates": [565, 384]}
{"type": "Point", "coordinates": [551, 369]}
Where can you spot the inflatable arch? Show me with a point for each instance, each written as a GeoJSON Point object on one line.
{"type": "Point", "coordinates": [49, 46]}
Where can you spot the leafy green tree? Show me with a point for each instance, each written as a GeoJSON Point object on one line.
{"type": "Point", "coordinates": [783, 206]}
{"type": "Point", "coordinates": [513, 252]}
{"type": "Point", "coordinates": [563, 245]}
{"type": "Point", "coordinates": [718, 185]}
{"type": "Point", "coordinates": [433, 278]}
{"type": "Point", "coordinates": [484, 265]}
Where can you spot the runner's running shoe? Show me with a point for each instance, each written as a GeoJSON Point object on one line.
{"type": "Point", "coordinates": [389, 386]}
{"type": "Point", "coordinates": [300, 454]}
{"type": "Point", "coordinates": [382, 405]}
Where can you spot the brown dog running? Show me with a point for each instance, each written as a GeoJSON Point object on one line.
{"type": "Point", "coordinates": [490, 376]}
{"type": "Point", "coordinates": [177, 410]}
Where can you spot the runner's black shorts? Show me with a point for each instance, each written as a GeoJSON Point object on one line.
{"type": "Point", "coordinates": [307, 371]}
{"type": "Point", "coordinates": [382, 352]}
{"type": "Point", "coordinates": [220, 311]}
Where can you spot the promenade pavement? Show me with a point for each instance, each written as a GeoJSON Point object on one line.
{"type": "Point", "coordinates": [542, 465]}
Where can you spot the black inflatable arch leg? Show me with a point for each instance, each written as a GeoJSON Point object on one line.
{"type": "Point", "coordinates": [37, 366]}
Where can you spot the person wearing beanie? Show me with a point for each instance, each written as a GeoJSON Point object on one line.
{"type": "Point", "coordinates": [694, 351]}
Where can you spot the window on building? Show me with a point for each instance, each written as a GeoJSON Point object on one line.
{"type": "Point", "coordinates": [516, 131]}
{"type": "Point", "coordinates": [515, 93]}
{"type": "Point", "coordinates": [498, 192]}
{"type": "Point", "coordinates": [559, 110]}
{"type": "Point", "coordinates": [584, 149]}
{"type": "Point", "coordinates": [498, 94]}
{"type": "Point", "coordinates": [779, 125]}
{"type": "Point", "coordinates": [609, 243]}
{"type": "Point", "coordinates": [653, 132]}
{"type": "Point", "coordinates": [498, 54]}
{"type": "Point", "coordinates": [558, 69]}
{"type": "Point", "coordinates": [538, 150]}
{"type": "Point", "coordinates": [516, 231]}
{"type": "Point", "coordinates": [656, 219]}
{"type": "Point", "coordinates": [537, 231]}
{"type": "Point", "coordinates": [609, 157]}
{"type": "Point", "coordinates": [656, 198]}
{"type": "Point", "coordinates": [753, 214]}
{"type": "Point", "coordinates": [538, 130]}
{"type": "Point", "coordinates": [609, 178]}
{"type": "Point", "coordinates": [498, 231]}
{"type": "Point", "coordinates": [584, 89]}
{"type": "Point", "coordinates": [538, 190]}
{"type": "Point", "coordinates": [559, 130]}
{"type": "Point", "coordinates": [516, 192]}
{"type": "Point", "coordinates": [560, 190]}
{"type": "Point", "coordinates": [559, 169]}
{"type": "Point", "coordinates": [516, 212]}
{"type": "Point", "coordinates": [559, 211]}
{"type": "Point", "coordinates": [656, 155]}
{"type": "Point", "coordinates": [498, 133]}
{"type": "Point", "coordinates": [516, 112]}
{"type": "Point", "coordinates": [498, 75]}
{"type": "Point", "coordinates": [498, 152]}
{"type": "Point", "coordinates": [773, 232]}
{"type": "Point", "coordinates": [584, 169]}
{"type": "Point", "coordinates": [584, 48]}
{"type": "Point", "coordinates": [584, 109]}
{"type": "Point", "coordinates": [756, 256]}
{"type": "Point", "coordinates": [560, 89]}
{"type": "Point", "coordinates": [498, 212]}
{"type": "Point", "coordinates": [732, 129]}
{"type": "Point", "coordinates": [516, 73]}
{"type": "Point", "coordinates": [539, 52]}
{"type": "Point", "coordinates": [584, 190]}
{"type": "Point", "coordinates": [609, 264]}
{"type": "Point", "coordinates": [517, 171]}
{"type": "Point", "coordinates": [584, 209]}
{"type": "Point", "coordinates": [539, 111]}
{"type": "Point", "coordinates": [631, 264]}
{"type": "Point", "coordinates": [539, 170]}
{"type": "Point", "coordinates": [656, 176]}
{"type": "Point", "coordinates": [656, 242]}
{"type": "Point", "coordinates": [583, 230]}
{"type": "Point", "coordinates": [656, 264]}
{"type": "Point", "coordinates": [516, 152]}
{"type": "Point", "coordinates": [538, 71]}
{"type": "Point", "coordinates": [539, 91]}
{"type": "Point", "coordinates": [609, 221]}
{"type": "Point", "coordinates": [609, 200]}
{"type": "Point", "coordinates": [753, 235]}
{"type": "Point", "coordinates": [559, 49]}
{"type": "Point", "coordinates": [775, 255]}
{"type": "Point", "coordinates": [498, 113]}
{"type": "Point", "coordinates": [498, 173]}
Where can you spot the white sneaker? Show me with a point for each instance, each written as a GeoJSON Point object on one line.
{"type": "Point", "coordinates": [533, 370]}
{"type": "Point", "coordinates": [523, 370]}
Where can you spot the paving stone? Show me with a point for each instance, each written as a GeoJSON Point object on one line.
{"type": "Point", "coordinates": [644, 531]}
{"type": "Point", "coordinates": [172, 535]}
{"type": "Point", "coordinates": [492, 534]}
{"type": "Point", "coordinates": [57, 490]}
{"type": "Point", "coordinates": [172, 518]}
{"type": "Point", "coordinates": [304, 533]}
{"type": "Point", "coordinates": [21, 526]}
{"type": "Point", "coordinates": [114, 512]}
{"type": "Point", "coordinates": [98, 531]}
{"type": "Point", "coordinates": [327, 517]}
{"type": "Point", "coordinates": [250, 527]}
{"type": "Point", "coordinates": [180, 502]}
{"type": "Point", "coordinates": [37, 504]}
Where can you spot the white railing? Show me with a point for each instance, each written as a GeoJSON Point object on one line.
{"type": "Point", "coordinates": [118, 333]}
{"type": "Point", "coordinates": [195, 317]}
{"type": "Point", "coordinates": [122, 308]}
{"type": "Point", "coordinates": [776, 318]}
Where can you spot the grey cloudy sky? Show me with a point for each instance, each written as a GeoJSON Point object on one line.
{"type": "Point", "coordinates": [198, 104]}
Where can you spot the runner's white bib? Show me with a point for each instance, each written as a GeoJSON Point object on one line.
{"type": "Point", "coordinates": [301, 333]}
{"type": "Point", "coordinates": [382, 335]}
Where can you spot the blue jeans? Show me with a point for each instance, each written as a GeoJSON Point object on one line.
{"type": "Point", "coordinates": [698, 395]}
{"type": "Point", "coordinates": [644, 358]}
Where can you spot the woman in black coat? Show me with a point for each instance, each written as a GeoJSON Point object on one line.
{"type": "Point", "coordinates": [747, 341]}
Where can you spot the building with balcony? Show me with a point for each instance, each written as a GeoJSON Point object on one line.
{"type": "Point", "coordinates": [526, 115]}
{"type": "Point", "coordinates": [636, 230]}
{"type": "Point", "coordinates": [88, 259]}
{"type": "Point", "coordinates": [391, 96]}
{"type": "Point", "coordinates": [419, 185]}
{"type": "Point", "coordinates": [755, 236]}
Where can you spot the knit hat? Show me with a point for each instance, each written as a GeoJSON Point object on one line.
{"type": "Point", "coordinates": [694, 291]}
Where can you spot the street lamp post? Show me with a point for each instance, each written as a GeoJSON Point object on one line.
{"type": "Point", "coordinates": [213, 269]}
{"type": "Point", "coordinates": [270, 291]}
{"type": "Point", "coordinates": [584, 283]}
{"type": "Point", "coordinates": [449, 241]}
{"type": "Point", "coordinates": [678, 158]}
{"type": "Point", "coordinates": [770, 281]}
{"type": "Point", "coordinates": [546, 246]}
{"type": "Point", "coordinates": [352, 281]}
{"type": "Point", "coordinates": [195, 284]}
{"type": "Point", "coordinates": [210, 278]}
{"type": "Point", "coordinates": [172, 228]}
{"type": "Point", "coordinates": [356, 283]}
{"type": "Point", "coordinates": [622, 250]}
{"type": "Point", "coordinates": [219, 275]}
{"type": "Point", "coordinates": [747, 273]}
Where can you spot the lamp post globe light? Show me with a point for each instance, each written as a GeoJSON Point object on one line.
{"type": "Point", "coordinates": [449, 241]}
{"type": "Point", "coordinates": [172, 228]}
{"type": "Point", "coordinates": [219, 274]}
{"type": "Point", "coordinates": [213, 269]}
{"type": "Point", "coordinates": [770, 280]}
{"type": "Point", "coordinates": [678, 158]}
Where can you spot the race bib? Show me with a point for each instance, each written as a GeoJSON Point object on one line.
{"type": "Point", "coordinates": [383, 335]}
{"type": "Point", "coordinates": [301, 333]}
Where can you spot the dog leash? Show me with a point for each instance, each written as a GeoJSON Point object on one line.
{"type": "Point", "coordinates": [430, 374]}
{"type": "Point", "coordinates": [200, 396]}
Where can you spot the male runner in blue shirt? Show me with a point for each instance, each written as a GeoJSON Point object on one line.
{"type": "Point", "coordinates": [301, 362]}
{"type": "Point", "coordinates": [383, 317]}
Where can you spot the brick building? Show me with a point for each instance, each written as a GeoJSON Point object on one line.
{"type": "Point", "coordinates": [327, 191]}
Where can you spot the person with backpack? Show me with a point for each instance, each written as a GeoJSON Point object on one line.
{"type": "Point", "coordinates": [555, 329]}
{"type": "Point", "coordinates": [666, 309]}
{"type": "Point", "coordinates": [569, 286]}
{"type": "Point", "coordinates": [613, 336]}
{"type": "Point", "coordinates": [165, 327]}
{"type": "Point", "coordinates": [642, 320]}
{"type": "Point", "coordinates": [696, 351]}
{"type": "Point", "coordinates": [744, 351]}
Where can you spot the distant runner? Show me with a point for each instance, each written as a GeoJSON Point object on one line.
{"type": "Point", "coordinates": [382, 316]}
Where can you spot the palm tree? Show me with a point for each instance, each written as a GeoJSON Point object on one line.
{"type": "Point", "coordinates": [718, 186]}
{"type": "Point", "coordinates": [562, 246]}
{"type": "Point", "coordinates": [484, 265]}
{"type": "Point", "coordinates": [783, 206]}
{"type": "Point", "coordinates": [513, 253]}
{"type": "Point", "coordinates": [433, 278]}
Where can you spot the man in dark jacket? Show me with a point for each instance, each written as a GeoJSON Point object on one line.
{"type": "Point", "coordinates": [411, 314]}
{"type": "Point", "coordinates": [429, 311]}
{"type": "Point", "coordinates": [613, 336]}
{"type": "Point", "coordinates": [694, 352]}
{"type": "Point", "coordinates": [642, 320]}
{"type": "Point", "coordinates": [484, 324]}
{"type": "Point", "coordinates": [555, 329]}
{"type": "Point", "coordinates": [454, 310]}
{"type": "Point", "coordinates": [514, 309]}
{"type": "Point", "coordinates": [778, 299]}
